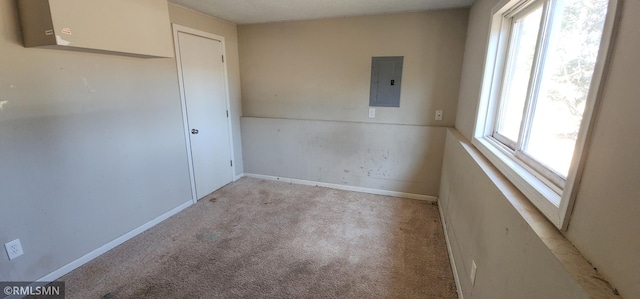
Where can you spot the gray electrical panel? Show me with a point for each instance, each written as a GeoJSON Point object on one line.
{"type": "Point", "coordinates": [386, 80]}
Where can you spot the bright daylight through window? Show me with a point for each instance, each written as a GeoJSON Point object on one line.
{"type": "Point", "coordinates": [544, 64]}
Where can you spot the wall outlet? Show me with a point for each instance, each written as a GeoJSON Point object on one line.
{"type": "Point", "coordinates": [14, 249]}
{"type": "Point", "coordinates": [474, 269]}
{"type": "Point", "coordinates": [372, 112]}
{"type": "Point", "coordinates": [438, 114]}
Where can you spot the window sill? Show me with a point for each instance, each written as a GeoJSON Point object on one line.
{"type": "Point", "coordinates": [546, 199]}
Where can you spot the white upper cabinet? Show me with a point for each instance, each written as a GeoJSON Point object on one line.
{"type": "Point", "coordinates": [124, 27]}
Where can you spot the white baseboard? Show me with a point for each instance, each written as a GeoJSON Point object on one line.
{"type": "Point", "coordinates": [106, 247]}
{"type": "Point", "coordinates": [456, 277]}
{"type": "Point", "coordinates": [344, 187]}
{"type": "Point", "coordinates": [237, 177]}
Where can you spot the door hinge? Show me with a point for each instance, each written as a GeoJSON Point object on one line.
{"type": "Point", "coordinates": [222, 58]}
{"type": "Point", "coordinates": [231, 162]}
{"type": "Point", "coordinates": [227, 113]}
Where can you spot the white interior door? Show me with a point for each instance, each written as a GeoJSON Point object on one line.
{"type": "Point", "coordinates": [205, 95]}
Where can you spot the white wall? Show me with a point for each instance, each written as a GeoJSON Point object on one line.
{"type": "Point", "coordinates": [91, 145]}
{"type": "Point", "coordinates": [483, 226]}
{"type": "Point", "coordinates": [321, 70]}
{"type": "Point", "coordinates": [604, 225]}
{"type": "Point", "coordinates": [397, 158]}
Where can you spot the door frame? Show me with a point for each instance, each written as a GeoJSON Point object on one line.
{"type": "Point", "coordinates": [183, 101]}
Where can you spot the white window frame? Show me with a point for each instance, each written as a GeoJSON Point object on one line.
{"type": "Point", "coordinates": [554, 199]}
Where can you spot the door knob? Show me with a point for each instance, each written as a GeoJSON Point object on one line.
{"type": "Point", "coordinates": [194, 131]}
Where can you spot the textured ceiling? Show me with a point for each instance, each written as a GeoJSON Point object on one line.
{"type": "Point", "coordinates": [263, 11]}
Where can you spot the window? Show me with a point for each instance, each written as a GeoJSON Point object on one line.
{"type": "Point", "coordinates": [542, 77]}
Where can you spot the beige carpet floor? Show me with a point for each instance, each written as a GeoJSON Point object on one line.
{"type": "Point", "coordinates": [265, 239]}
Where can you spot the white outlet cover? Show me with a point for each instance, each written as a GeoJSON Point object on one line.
{"type": "Point", "coordinates": [372, 112]}
{"type": "Point", "coordinates": [438, 114]}
{"type": "Point", "coordinates": [14, 249]}
{"type": "Point", "coordinates": [474, 270]}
